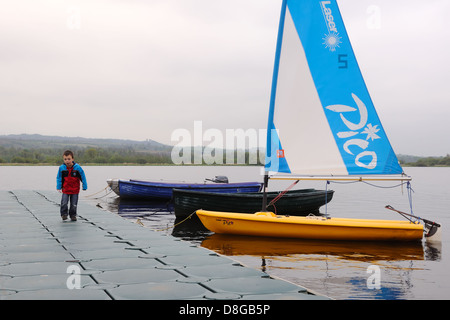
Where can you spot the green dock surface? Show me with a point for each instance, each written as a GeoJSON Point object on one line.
{"type": "Point", "coordinates": [103, 256]}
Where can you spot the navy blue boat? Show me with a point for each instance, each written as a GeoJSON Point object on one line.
{"type": "Point", "coordinates": [300, 202]}
{"type": "Point", "coordinates": [147, 190]}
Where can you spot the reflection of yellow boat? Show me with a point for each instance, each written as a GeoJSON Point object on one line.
{"type": "Point", "coordinates": [233, 245]}
{"type": "Point", "coordinates": [268, 224]}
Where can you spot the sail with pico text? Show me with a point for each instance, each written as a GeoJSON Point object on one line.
{"type": "Point", "coordinates": [322, 120]}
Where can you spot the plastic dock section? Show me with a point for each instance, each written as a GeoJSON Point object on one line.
{"type": "Point", "coordinates": [103, 256]}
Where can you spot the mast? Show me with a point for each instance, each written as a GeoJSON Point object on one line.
{"type": "Point", "coordinates": [270, 130]}
{"type": "Point", "coordinates": [266, 183]}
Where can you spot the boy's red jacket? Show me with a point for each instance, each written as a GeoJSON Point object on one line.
{"type": "Point", "coordinates": [68, 179]}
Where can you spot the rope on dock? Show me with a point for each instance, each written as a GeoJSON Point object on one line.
{"type": "Point", "coordinates": [104, 189]}
{"type": "Point", "coordinates": [177, 224]}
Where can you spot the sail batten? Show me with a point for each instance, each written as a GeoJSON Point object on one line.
{"type": "Point", "coordinates": [322, 120]}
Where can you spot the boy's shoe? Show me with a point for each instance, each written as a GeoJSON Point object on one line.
{"type": "Point", "coordinates": [73, 218]}
{"type": "Point", "coordinates": [64, 216]}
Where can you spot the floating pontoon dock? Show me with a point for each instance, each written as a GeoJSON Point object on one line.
{"type": "Point", "coordinates": [103, 256]}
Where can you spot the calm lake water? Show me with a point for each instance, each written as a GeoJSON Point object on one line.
{"type": "Point", "coordinates": [336, 269]}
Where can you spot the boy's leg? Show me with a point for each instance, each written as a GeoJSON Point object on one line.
{"type": "Point", "coordinates": [64, 206]}
{"type": "Point", "coordinates": [73, 206]}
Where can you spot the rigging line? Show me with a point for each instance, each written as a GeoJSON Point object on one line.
{"type": "Point", "coordinates": [385, 187]}
{"type": "Point", "coordinates": [410, 192]}
{"type": "Point", "coordinates": [274, 207]}
{"type": "Point", "coordinates": [282, 194]}
{"type": "Point", "coordinates": [370, 184]}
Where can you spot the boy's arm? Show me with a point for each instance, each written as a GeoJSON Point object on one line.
{"type": "Point", "coordinates": [59, 179]}
{"type": "Point", "coordinates": [83, 179]}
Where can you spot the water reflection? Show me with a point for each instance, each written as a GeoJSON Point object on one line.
{"type": "Point", "coordinates": [259, 246]}
{"type": "Point", "coordinates": [139, 209]}
{"type": "Point", "coordinates": [337, 269]}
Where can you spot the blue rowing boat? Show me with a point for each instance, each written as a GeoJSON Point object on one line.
{"type": "Point", "coordinates": [146, 190]}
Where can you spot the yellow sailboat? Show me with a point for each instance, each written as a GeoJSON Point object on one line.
{"type": "Point", "coordinates": [322, 125]}
{"type": "Point", "coordinates": [268, 224]}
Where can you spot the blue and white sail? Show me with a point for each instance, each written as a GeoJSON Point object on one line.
{"type": "Point", "coordinates": [322, 120]}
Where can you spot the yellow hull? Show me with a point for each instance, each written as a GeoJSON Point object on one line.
{"type": "Point", "coordinates": [267, 224]}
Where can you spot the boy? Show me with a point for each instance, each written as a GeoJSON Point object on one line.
{"type": "Point", "coordinates": [68, 182]}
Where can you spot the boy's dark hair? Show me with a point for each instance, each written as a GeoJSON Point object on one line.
{"type": "Point", "coordinates": [68, 153]}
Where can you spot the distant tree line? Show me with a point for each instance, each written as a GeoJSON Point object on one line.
{"type": "Point", "coordinates": [130, 155]}
{"type": "Point", "coordinates": [111, 155]}
{"type": "Point", "coordinates": [83, 155]}
{"type": "Point", "coordinates": [430, 162]}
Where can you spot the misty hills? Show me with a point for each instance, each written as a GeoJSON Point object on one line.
{"type": "Point", "coordinates": [37, 149]}
{"type": "Point", "coordinates": [37, 141]}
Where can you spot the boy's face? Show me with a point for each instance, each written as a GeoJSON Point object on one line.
{"type": "Point", "coordinates": [68, 160]}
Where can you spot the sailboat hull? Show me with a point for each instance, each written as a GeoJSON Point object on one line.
{"type": "Point", "coordinates": [267, 224]}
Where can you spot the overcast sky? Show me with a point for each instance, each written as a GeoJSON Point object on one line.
{"type": "Point", "coordinates": [139, 69]}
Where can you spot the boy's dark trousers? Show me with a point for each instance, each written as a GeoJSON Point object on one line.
{"type": "Point", "coordinates": [65, 210]}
